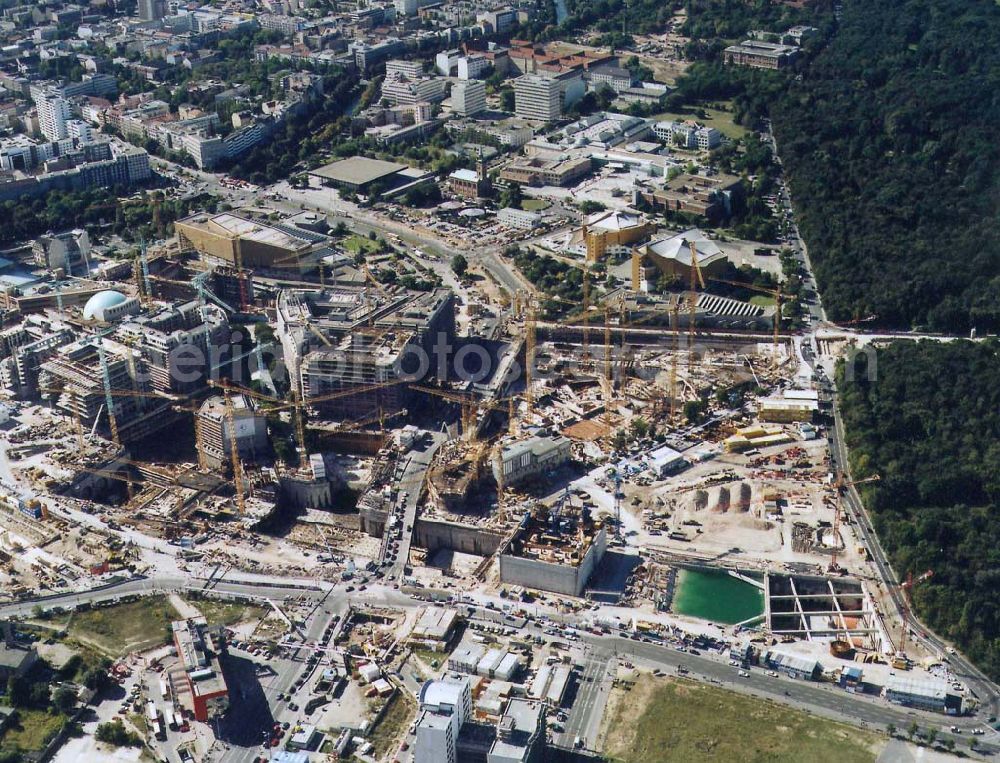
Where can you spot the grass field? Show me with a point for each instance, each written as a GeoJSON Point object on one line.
{"type": "Point", "coordinates": [355, 244]}
{"type": "Point", "coordinates": [666, 720]}
{"type": "Point", "coordinates": [227, 612]}
{"type": "Point", "coordinates": [391, 728]}
{"type": "Point", "coordinates": [720, 119]}
{"type": "Point", "coordinates": [761, 300]}
{"type": "Point", "coordinates": [118, 630]}
{"type": "Point", "coordinates": [31, 731]}
{"type": "Point", "coordinates": [534, 205]}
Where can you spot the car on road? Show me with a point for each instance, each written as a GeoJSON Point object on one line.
{"type": "Point", "coordinates": [744, 674]}
{"type": "Point", "coordinates": [773, 673]}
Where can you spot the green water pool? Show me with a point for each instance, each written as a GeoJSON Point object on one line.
{"type": "Point", "coordinates": [716, 596]}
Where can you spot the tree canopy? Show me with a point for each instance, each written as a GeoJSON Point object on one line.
{"type": "Point", "coordinates": [929, 424]}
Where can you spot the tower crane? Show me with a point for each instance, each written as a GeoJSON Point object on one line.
{"type": "Point", "coordinates": [234, 453]}
{"type": "Point", "coordinates": [778, 296]}
{"type": "Point", "coordinates": [904, 590]}
{"type": "Point", "coordinates": [696, 280]}
{"type": "Point", "coordinates": [841, 485]}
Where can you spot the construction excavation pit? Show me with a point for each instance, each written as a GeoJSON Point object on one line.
{"type": "Point", "coordinates": [817, 608]}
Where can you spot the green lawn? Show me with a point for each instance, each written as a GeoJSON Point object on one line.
{"type": "Point", "coordinates": [31, 731]}
{"type": "Point", "coordinates": [762, 300]}
{"type": "Point", "coordinates": [227, 612]}
{"type": "Point", "coordinates": [534, 205]}
{"type": "Point", "coordinates": [720, 119]}
{"type": "Point", "coordinates": [355, 244]}
{"type": "Point", "coordinates": [666, 720]}
{"type": "Point", "coordinates": [124, 628]}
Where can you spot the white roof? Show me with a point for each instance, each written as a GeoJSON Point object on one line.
{"type": "Point", "coordinates": [678, 248]}
{"type": "Point", "coordinates": [442, 693]}
{"type": "Point", "coordinates": [613, 221]}
{"type": "Point", "coordinates": [467, 175]}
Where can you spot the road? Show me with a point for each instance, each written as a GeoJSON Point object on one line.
{"type": "Point", "coordinates": [584, 721]}
{"type": "Point", "coordinates": [411, 481]}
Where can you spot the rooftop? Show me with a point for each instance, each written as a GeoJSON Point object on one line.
{"type": "Point", "coordinates": [358, 170]}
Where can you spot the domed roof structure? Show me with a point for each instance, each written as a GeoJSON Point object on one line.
{"type": "Point", "coordinates": [101, 302]}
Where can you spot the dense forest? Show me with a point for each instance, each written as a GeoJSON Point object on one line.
{"type": "Point", "coordinates": [889, 140]}
{"type": "Point", "coordinates": [929, 424]}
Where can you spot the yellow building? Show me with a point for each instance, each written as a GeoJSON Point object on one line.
{"type": "Point", "coordinates": [611, 233]}
{"type": "Point", "coordinates": [223, 237]}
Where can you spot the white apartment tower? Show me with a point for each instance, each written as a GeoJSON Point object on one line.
{"type": "Point", "coordinates": [53, 113]}
{"type": "Point", "coordinates": [468, 98]}
{"type": "Point", "coordinates": [444, 707]}
{"type": "Point", "coordinates": [537, 98]}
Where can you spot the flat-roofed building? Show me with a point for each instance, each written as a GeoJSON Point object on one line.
{"type": "Point", "coordinates": [761, 55]}
{"type": "Point", "coordinates": [198, 651]}
{"type": "Point", "coordinates": [468, 98]}
{"type": "Point", "coordinates": [536, 171]}
{"type": "Point", "coordinates": [538, 98]}
{"type": "Point", "coordinates": [232, 239]}
{"type": "Point", "coordinates": [528, 458]}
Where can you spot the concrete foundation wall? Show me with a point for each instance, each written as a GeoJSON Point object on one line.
{"type": "Point", "coordinates": [542, 576]}
{"type": "Point", "coordinates": [433, 535]}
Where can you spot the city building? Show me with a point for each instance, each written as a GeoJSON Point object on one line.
{"type": "Point", "coordinates": [198, 648]}
{"type": "Point", "coordinates": [793, 665]}
{"type": "Point", "coordinates": [521, 219]}
{"type": "Point", "coordinates": [470, 184]}
{"type": "Point", "coordinates": [617, 78]}
{"type": "Point", "coordinates": [610, 234]}
{"type": "Point", "coordinates": [790, 406]}
{"type": "Point", "coordinates": [712, 197]}
{"type": "Point", "coordinates": [233, 240]}
{"type": "Point", "coordinates": [665, 461]}
{"type": "Point", "coordinates": [444, 707]}
{"type": "Point", "coordinates": [531, 457]}
{"type": "Point", "coordinates": [520, 736]}
{"type": "Point", "coordinates": [434, 627]}
{"type": "Point", "coordinates": [687, 134]}
{"type": "Point", "coordinates": [537, 98]}
{"type": "Point", "coordinates": [400, 89]}
{"type": "Point", "coordinates": [213, 431]}
{"type": "Point", "coordinates": [53, 114]}
{"type": "Point", "coordinates": [474, 66]}
{"type": "Point", "coordinates": [926, 694]}
{"type": "Point", "coordinates": [757, 54]}
{"type": "Point", "coordinates": [672, 257]}
{"type": "Point", "coordinates": [468, 98]}
{"type": "Point", "coordinates": [536, 171]}
{"type": "Point", "coordinates": [16, 659]}
{"type": "Point", "coordinates": [408, 69]}
{"type": "Point", "coordinates": [68, 251]}
{"type": "Point", "coordinates": [361, 175]}
{"type": "Point", "coordinates": [152, 10]}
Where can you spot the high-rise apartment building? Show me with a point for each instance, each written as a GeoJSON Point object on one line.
{"type": "Point", "coordinates": [537, 98]}
{"type": "Point", "coordinates": [469, 98]}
